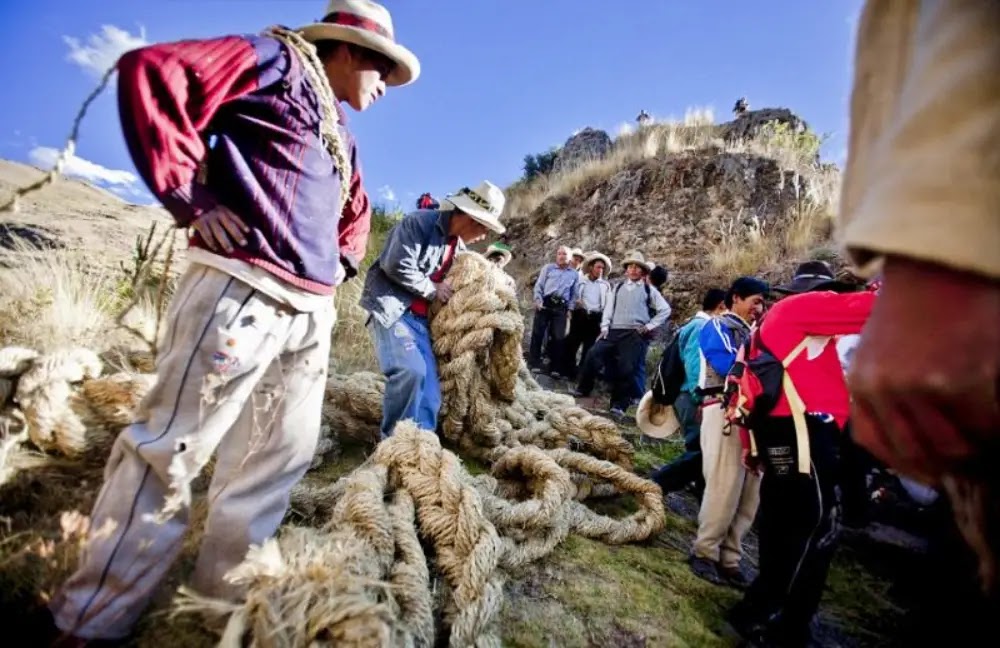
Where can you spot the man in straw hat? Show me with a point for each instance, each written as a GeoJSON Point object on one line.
{"type": "Point", "coordinates": [633, 312]}
{"type": "Point", "coordinates": [408, 275]}
{"type": "Point", "coordinates": [591, 297]}
{"type": "Point", "coordinates": [576, 259]}
{"type": "Point", "coordinates": [499, 254]}
{"type": "Point", "coordinates": [253, 314]}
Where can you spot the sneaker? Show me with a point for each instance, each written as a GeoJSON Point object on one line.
{"type": "Point", "coordinates": [734, 576]}
{"type": "Point", "coordinates": [705, 569]}
{"type": "Point", "coordinates": [578, 394]}
{"type": "Point", "coordinates": [617, 412]}
{"type": "Point", "coordinates": [556, 375]}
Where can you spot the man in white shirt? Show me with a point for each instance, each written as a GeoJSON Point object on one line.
{"type": "Point", "coordinates": [633, 312]}
{"type": "Point", "coordinates": [591, 297]}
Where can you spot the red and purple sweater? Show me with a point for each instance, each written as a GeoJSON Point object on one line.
{"type": "Point", "coordinates": [243, 106]}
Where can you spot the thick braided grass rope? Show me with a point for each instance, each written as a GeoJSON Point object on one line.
{"type": "Point", "coordinates": [478, 527]}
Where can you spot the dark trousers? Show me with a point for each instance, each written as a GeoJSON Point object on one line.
{"type": "Point", "coordinates": [797, 527]}
{"type": "Point", "coordinates": [550, 322]}
{"type": "Point", "coordinates": [619, 353]}
{"type": "Point", "coordinates": [584, 328]}
{"type": "Point", "coordinates": [855, 464]}
{"type": "Point", "coordinates": [687, 467]}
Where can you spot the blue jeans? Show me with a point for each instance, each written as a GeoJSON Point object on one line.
{"type": "Point", "coordinates": [412, 388]}
{"type": "Point", "coordinates": [640, 374]}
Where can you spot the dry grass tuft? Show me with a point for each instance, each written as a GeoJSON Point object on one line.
{"type": "Point", "coordinates": [54, 299]}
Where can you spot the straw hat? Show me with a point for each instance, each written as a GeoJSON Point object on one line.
{"type": "Point", "coordinates": [634, 256]}
{"type": "Point", "coordinates": [592, 256]}
{"type": "Point", "coordinates": [577, 252]}
{"type": "Point", "coordinates": [654, 420]}
{"type": "Point", "coordinates": [501, 249]}
{"type": "Point", "coordinates": [484, 204]}
{"type": "Point", "coordinates": [369, 25]}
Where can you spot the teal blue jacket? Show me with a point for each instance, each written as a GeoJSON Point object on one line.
{"type": "Point", "coordinates": [690, 350]}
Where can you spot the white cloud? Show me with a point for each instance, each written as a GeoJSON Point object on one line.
{"type": "Point", "coordinates": [102, 50]}
{"type": "Point", "coordinates": [45, 157]}
{"type": "Point", "coordinates": [386, 193]}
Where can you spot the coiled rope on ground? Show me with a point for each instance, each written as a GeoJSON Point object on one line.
{"type": "Point", "coordinates": [409, 543]}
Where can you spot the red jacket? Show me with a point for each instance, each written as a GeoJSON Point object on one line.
{"type": "Point", "coordinates": [268, 164]}
{"type": "Point", "coordinates": [819, 381]}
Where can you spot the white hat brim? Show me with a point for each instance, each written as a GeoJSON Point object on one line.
{"type": "Point", "coordinates": [598, 257]}
{"type": "Point", "coordinates": [407, 68]}
{"type": "Point", "coordinates": [639, 262]}
{"type": "Point", "coordinates": [669, 427]}
{"type": "Point", "coordinates": [475, 212]}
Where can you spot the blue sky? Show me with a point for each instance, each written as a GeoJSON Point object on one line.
{"type": "Point", "coordinates": [501, 78]}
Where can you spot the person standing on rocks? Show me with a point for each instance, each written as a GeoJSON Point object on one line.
{"type": "Point", "coordinates": [252, 317]}
{"type": "Point", "coordinates": [553, 293]}
{"type": "Point", "coordinates": [798, 454]}
{"type": "Point", "coordinates": [731, 496]}
{"type": "Point", "coordinates": [633, 312]}
{"type": "Point", "coordinates": [687, 469]}
{"type": "Point", "coordinates": [407, 277]}
{"type": "Point", "coordinates": [588, 308]}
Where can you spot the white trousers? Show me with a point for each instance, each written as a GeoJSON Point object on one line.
{"type": "Point", "coordinates": [239, 375]}
{"type": "Point", "coordinates": [731, 496]}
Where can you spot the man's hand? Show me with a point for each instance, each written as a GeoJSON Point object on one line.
{"type": "Point", "coordinates": [216, 226]}
{"type": "Point", "coordinates": [644, 332]}
{"type": "Point", "coordinates": [924, 377]}
{"type": "Point", "coordinates": [443, 291]}
{"type": "Point", "coordinates": [538, 304]}
{"type": "Point", "coordinates": [580, 304]}
{"type": "Point", "coordinates": [603, 334]}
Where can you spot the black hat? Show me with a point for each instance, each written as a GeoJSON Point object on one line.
{"type": "Point", "coordinates": [811, 276]}
{"type": "Point", "coordinates": [658, 276]}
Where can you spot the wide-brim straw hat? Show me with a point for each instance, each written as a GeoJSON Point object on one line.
{"type": "Point", "coordinates": [654, 420]}
{"type": "Point", "coordinates": [590, 257]}
{"type": "Point", "coordinates": [369, 25]}
{"type": "Point", "coordinates": [577, 252]}
{"type": "Point", "coordinates": [498, 248]}
{"type": "Point", "coordinates": [483, 204]}
{"type": "Point", "coordinates": [636, 257]}
{"type": "Point", "coordinates": [811, 276]}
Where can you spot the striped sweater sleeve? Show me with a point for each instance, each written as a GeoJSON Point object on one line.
{"type": "Point", "coordinates": [168, 94]}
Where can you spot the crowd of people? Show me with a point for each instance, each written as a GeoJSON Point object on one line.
{"type": "Point", "coordinates": [762, 400]}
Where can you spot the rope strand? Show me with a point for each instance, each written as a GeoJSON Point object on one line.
{"type": "Point", "coordinates": [12, 204]}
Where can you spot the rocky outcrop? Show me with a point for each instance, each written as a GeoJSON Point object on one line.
{"type": "Point", "coordinates": [748, 125]}
{"type": "Point", "coordinates": [588, 144]}
{"type": "Point", "coordinates": [673, 209]}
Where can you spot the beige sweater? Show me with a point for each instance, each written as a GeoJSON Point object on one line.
{"type": "Point", "coordinates": [923, 169]}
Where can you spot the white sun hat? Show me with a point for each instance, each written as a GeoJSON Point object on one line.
{"type": "Point", "coordinates": [592, 256]}
{"type": "Point", "coordinates": [369, 25]}
{"type": "Point", "coordinates": [483, 204]}
{"type": "Point", "coordinates": [654, 420]}
{"type": "Point", "coordinates": [634, 256]}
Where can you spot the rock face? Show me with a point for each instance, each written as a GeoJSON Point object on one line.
{"type": "Point", "coordinates": [749, 124]}
{"type": "Point", "coordinates": [672, 208]}
{"type": "Point", "coordinates": [588, 144]}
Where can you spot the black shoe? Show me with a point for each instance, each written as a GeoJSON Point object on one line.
{"type": "Point", "coordinates": [705, 569]}
{"type": "Point", "coordinates": [579, 394]}
{"type": "Point", "coordinates": [734, 577]}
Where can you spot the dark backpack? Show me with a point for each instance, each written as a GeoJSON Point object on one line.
{"type": "Point", "coordinates": [670, 374]}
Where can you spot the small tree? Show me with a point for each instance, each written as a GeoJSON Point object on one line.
{"type": "Point", "coordinates": [540, 164]}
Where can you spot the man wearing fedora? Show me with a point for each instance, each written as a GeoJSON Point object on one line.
{"type": "Point", "coordinates": [407, 277]}
{"type": "Point", "coordinates": [588, 308]}
{"type": "Point", "coordinates": [499, 254]}
{"type": "Point", "coordinates": [797, 450]}
{"type": "Point", "coordinates": [632, 314]}
{"type": "Point", "coordinates": [278, 218]}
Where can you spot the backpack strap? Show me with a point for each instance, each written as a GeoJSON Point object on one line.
{"type": "Point", "coordinates": [797, 405]}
